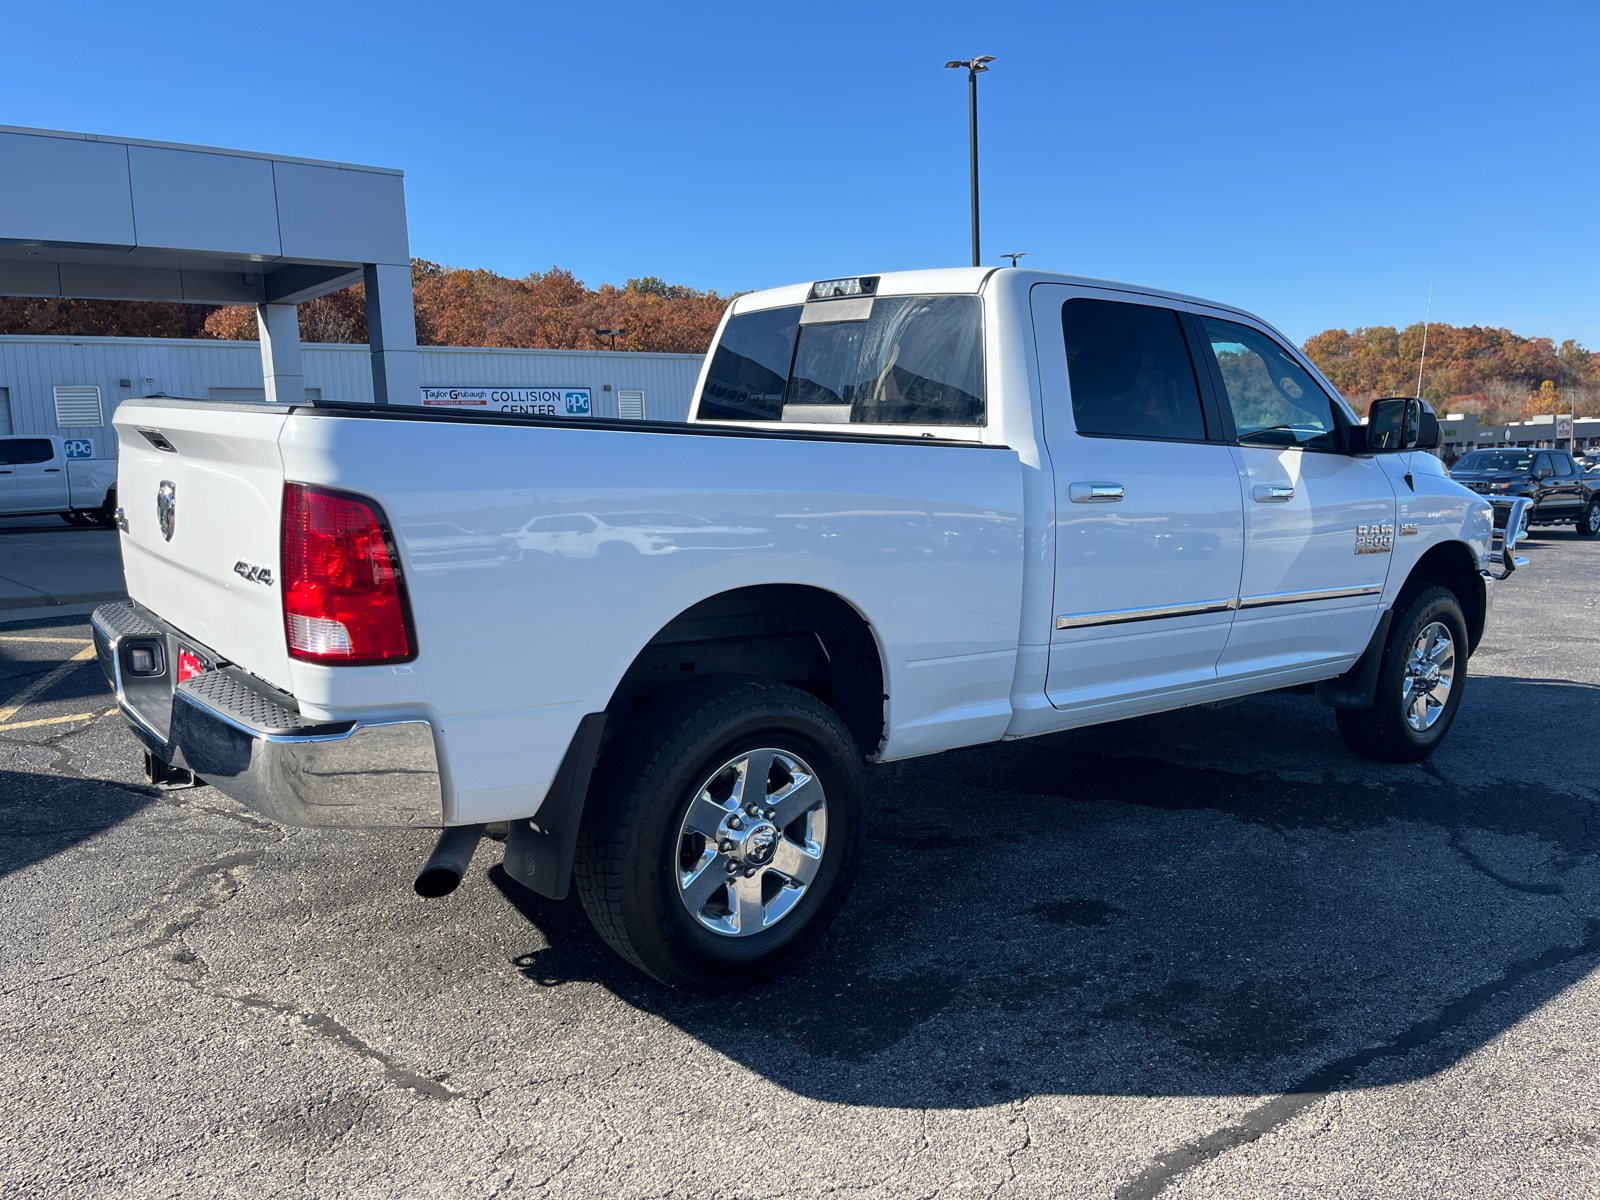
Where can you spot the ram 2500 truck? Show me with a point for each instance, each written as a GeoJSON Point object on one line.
{"type": "Point", "coordinates": [40, 474]}
{"type": "Point", "coordinates": [909, 512]}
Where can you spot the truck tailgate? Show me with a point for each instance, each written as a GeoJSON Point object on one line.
{"type": "Point", "coordinates": [224, 478]}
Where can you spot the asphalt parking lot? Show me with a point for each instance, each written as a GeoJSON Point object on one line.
{"type": "Point", "coordinates": [1209, 953]}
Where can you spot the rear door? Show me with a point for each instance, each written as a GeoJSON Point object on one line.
{"type": "Point", "coordinates": [1149, 525]}
{"type": "Point", "coordinates": [1568, 487]}
{"type": "Point", "coordinates": [39, 472]}
{"type": "Point", "coordinates": [1319, 524]}
{"type": "Point", "coordinates": [8, 479]}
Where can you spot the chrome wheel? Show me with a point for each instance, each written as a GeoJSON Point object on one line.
{"type": "Point", "coordinates": [1591, 519]}
{"type": "Point", "coordinates": [751, 842]}
{"type": "Point", "coordinates": [1430, 670]}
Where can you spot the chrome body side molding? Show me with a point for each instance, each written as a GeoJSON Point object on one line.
{"type": "Point", "coordinates": [1270, 598]}
{"type": "Point", "coordinates": [1120, 616]}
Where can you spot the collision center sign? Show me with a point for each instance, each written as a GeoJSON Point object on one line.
{"type": "Point", "coordinates": [537, 402]}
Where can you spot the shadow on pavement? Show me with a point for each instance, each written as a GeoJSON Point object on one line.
{"type": "Point", "coordinates": [1048, 917]}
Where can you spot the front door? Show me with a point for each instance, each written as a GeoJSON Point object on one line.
{"type": "Point", "coordinates": [39, 474]}
{"type": "Point", "coordinates": [1319, 524]}
{"type": "Point", "coordinates": [1149, 528]}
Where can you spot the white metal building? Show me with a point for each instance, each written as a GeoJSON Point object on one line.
{"type": "Point", "coordinates": [70, 386]}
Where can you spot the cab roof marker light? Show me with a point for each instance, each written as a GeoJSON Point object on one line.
{"type": "Point", "coordinates": [832, 289]}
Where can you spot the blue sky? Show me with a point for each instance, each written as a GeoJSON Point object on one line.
{"type": "Point", "coordinates": [1317, 164]}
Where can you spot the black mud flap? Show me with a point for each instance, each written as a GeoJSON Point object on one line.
{"type": "Point", "coordinates": [1358, 686]}
{"type": "Point", "coordinates": [539, 850]}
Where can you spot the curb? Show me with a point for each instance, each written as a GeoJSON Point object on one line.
{"type": "Point", "coordinates": [43, 601]}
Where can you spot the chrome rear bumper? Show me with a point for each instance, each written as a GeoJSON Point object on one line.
{"type": "Point", "coordinates": [252, 744]}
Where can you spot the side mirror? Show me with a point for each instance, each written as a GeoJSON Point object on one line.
{"type": "Point", "coordinates": [1392, 425]}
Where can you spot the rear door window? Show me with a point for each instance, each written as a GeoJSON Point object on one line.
{"type": "Point", "coordinates": [22, 451]}
{"type": "Point", "coordinates": [1130, 372]}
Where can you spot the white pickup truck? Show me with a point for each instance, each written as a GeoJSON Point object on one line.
{"type": "Point", "coordinates": [909, 512]}
{"type": "Point", "coordinates": [40, 474]}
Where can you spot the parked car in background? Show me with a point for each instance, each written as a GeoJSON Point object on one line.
{"type": "Point", "coordinates": [56, 475]}
{"type": "Point", "coordinates": [1561, 492]}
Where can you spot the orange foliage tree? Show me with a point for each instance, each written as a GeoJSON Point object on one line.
{"type": "Point", "coordinates": [545, 310]}
{"type": "Point", "coordinates": [1469, 368]}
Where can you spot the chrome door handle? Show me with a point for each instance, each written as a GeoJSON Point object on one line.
{"type": "Point", "coordinates": [1095, 493]}
{"type": "Point", "coordinates": [1273, 493]}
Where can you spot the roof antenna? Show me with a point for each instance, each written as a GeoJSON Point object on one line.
{"type": "Point", "coordinates": [1424, 357]}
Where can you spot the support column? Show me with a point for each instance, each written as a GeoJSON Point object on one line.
{"type": "Point", "coordinates": [392, 334]}
{"type": "Point", "coordinates": [281, 367]}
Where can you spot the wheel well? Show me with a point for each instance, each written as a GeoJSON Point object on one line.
{"type": "Point", "coordinates": [804, 636]}
{"type": "Point", "coordinates": [1452, 565]}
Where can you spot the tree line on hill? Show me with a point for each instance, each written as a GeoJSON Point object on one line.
{"type": "Point", "coordinates": [1495, 373]}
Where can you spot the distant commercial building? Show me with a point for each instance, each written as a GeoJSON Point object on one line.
{"type": "Point", "coordinates": [1461, 432]}
{"type": "Point", "coordinates": [69, 387]}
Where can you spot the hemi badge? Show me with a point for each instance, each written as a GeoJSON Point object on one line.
{"type": "Point", "coordinates": [1408, 530]}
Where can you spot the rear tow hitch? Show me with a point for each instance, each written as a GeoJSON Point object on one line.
{"type": "Point", "coordinates": [168, 777]}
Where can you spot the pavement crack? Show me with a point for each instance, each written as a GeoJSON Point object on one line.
{"type": "Point", "coordinates": [323, 1026]}
{"type": "Point", "coordinates": [1318, 1084]}
{"type": "Point", "coordinates": [1459, 845]}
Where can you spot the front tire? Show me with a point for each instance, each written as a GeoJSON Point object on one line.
{"type": "Point", "coordinates": [722, 833]}
{"type": "Point", "coordinates": [1589, 519]}
{"type": "Point", "coordinates": [1420, 682]}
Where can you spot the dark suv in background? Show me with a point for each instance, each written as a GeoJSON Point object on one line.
{"type": "Point", "coordinates": [1561, 494]}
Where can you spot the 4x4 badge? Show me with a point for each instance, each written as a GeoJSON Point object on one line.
{"type": "Point", "coordinates": [253, 573]}
{"type": "Point", "coordinates": [167, 507]}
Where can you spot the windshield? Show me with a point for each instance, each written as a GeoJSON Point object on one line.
{"type": "Point", "coordinates": [1496, 460]}
{"type": "Point", "coordinates": [915, 360]}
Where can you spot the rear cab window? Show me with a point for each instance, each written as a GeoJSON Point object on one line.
{"type": "Point", "coordinates": [896, 363]}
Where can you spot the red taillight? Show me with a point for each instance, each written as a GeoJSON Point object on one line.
{"type": "Point", "coordinates": [342, 596]}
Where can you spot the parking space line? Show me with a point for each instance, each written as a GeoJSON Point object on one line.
{"type": "Point", "coordinates": [47, 721]}
{"type": "Point", "coordinates": [14, 637]}
{"type": "Point", "coordinates": [21, 699]}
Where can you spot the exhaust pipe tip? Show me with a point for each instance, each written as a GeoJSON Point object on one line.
{"type": "Point", "coordinates": [437, 881]}
{"type": "Point", "coordinates": [443, 871]}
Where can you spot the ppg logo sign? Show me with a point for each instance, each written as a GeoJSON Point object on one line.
{"type": "Point", "coordinates": [78, 448]}
{"type": "Point", "coordinates": [577, 403]}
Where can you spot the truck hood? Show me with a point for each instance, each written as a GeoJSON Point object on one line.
{"type": "Point", "coordinates": [200, 515]}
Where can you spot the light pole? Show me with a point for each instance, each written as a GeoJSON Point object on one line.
{"type": "Point", "coordinates": [974, 66]}
{"type": "Point", "coordinates": [613, 333]}
{"type": "Point", "coordinates": [1014, 257]}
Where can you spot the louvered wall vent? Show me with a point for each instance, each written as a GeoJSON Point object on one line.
{"type": "Point", "coordinates": [78, 407]}
{"type": "Point", "coordinates": [630, 406]}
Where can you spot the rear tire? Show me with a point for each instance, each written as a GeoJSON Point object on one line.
{"type": "Point", "coordinates": [1589, 519]}
{"type": "Point", "coordinates": [694, 900]}
{"type": "Point", "coordinates": [1412, 712]}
